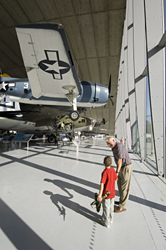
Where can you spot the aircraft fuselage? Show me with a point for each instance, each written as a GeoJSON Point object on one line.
{"type": "Point", "coordinates": [19, 90]}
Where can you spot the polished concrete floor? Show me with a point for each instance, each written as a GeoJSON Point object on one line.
{"type": "Point", "coordinates": [45, 196]}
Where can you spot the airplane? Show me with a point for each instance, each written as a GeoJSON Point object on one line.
{"type": "Point", "coordinates": [53, 88]}
{"type": "Point", "coordinates": [15, 121]}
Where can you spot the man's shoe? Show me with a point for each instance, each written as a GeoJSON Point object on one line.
{"type": "Point", "coordinates": [119, 210]}
{"type": "Point", "coordinates": [117, 202]}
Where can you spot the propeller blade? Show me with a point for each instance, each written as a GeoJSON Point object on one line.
{"type": "Point", "coordinates": [112, 101]}
{"type": "Point", "coordinates": [109, 85]}
{"type": "Point", "coordinates": [103, 121]}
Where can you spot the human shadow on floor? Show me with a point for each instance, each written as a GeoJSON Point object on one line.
{"type": "Point", "coordinates": [24, 161]}
{"type": "Point", "coordinates": [65, 185]}
{"type": "Point", "coordinates": [144, 201]}
{"type": "Point", "coordinates": [144, 173]}
{"type": "Point", "coordinates": [147, 203]}
{"type": "Point", "coordinates": [65, 201]}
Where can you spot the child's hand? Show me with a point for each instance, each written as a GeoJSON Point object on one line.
{"type": "Point", "coordinates": [99, 198]}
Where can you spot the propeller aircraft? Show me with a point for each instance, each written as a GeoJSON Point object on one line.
{"type": "Point", "coordinates": [53, 88]}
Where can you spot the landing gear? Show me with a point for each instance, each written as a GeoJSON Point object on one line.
{"type": "Point", "coordinates": [51, 138]}
{"type": "Point", "coordinates": [74, 115]}
{"type": "Point", "coordinates": [72, 97]}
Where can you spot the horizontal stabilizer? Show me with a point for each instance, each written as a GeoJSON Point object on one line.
{"type": "Point", "coordinates": [47, 59]}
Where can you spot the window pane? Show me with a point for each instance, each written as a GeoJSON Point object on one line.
{"type": "Point", "coordinates": [135, 139]}
{"type": "Point", "coordinates": [150, 154]}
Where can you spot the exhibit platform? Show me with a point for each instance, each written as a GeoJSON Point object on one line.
{"type": "Point", "coordinates": [46, 192]}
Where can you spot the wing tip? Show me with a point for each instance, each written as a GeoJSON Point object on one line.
{"type": "Point", "coordinates": [42, 25]}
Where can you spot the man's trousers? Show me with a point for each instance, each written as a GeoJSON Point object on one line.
{"type": "Point", "coordinates": [124, 181]}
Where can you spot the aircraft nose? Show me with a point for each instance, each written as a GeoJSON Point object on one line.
{"type": "Point", "coordinates": [104, 95]}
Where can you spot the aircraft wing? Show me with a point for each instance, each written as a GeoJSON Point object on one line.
{"type": "Point", "coordinates": [47, 59]}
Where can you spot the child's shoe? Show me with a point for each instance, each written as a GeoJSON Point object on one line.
{"type": "Point", "coordinates": [102, 223]}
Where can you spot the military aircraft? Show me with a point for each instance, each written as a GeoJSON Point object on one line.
{"type": "Point", "coordinates": [53, 88]}
{"type": "Point", "coordinates": [15, 121]}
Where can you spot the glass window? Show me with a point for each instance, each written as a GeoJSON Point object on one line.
{"type": "Point", "coordinates": [138, 151]}
{"type": "Point", "coordinates": [165, 14]}
{"type": "Point", "coordinates": [150, 153]}
{"type": "Point", "coordinates": [165, 94]}
{"type": "Point", "coordinates": [134, 136]}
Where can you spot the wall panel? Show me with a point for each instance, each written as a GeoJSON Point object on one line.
{"type": "Point", "coordinates": [142, 61]}
{"type": "Point", "coordinates": [130, 72]}
{"type": "Point", "coordinates": [155, 30]}
{"type": "Point", "coordinates": [139, 66]}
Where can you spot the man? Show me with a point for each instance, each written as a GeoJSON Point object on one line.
{"type": "Point", "coordinates": [124, 172]}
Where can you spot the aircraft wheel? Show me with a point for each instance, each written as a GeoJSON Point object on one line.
{"type": "Point", "coordinates": [74, 116]}
{"type": "Point", "coordinates": [51, 138]}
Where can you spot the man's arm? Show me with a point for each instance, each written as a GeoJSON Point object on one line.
{"type": "Point", "coordinates": [100, 192]}
{"type": "Point", "coordinates": [119, 165]}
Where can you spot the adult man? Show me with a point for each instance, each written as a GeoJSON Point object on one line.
{"type": "Point", "coordinates": [124, 172]}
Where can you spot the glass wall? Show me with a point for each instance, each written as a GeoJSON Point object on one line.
{"type": "Point", "coordinates": [150, 153]}
{"type": "Point", "coordinates": [143, 42]}
{"type": "Point", "coordinates": [165, 93]}
{"type": "Point", "coordinates": [135, 139]}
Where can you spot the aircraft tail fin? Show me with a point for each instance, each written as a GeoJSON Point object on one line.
{"type": "Point", "coordinates": [4, 75]}
{"type": "Point", "coordinates": [4, 79]}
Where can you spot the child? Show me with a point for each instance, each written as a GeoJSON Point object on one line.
{"type": "Point", "coordinates": [107, 184]}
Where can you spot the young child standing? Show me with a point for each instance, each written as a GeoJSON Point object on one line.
{"type": "Point", "coordinates": [107, 184]}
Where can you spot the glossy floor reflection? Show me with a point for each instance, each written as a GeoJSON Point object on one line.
{"type": "Point", "coordinates": [45, 196]}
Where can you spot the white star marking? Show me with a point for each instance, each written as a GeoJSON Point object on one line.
{"type": "Point", "coordinates": [2, 86]}
{"type": "Point", "coordinates": [54, 67]}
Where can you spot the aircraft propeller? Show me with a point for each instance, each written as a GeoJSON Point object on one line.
{"type": "Point", "coordinates": [109, 87]}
